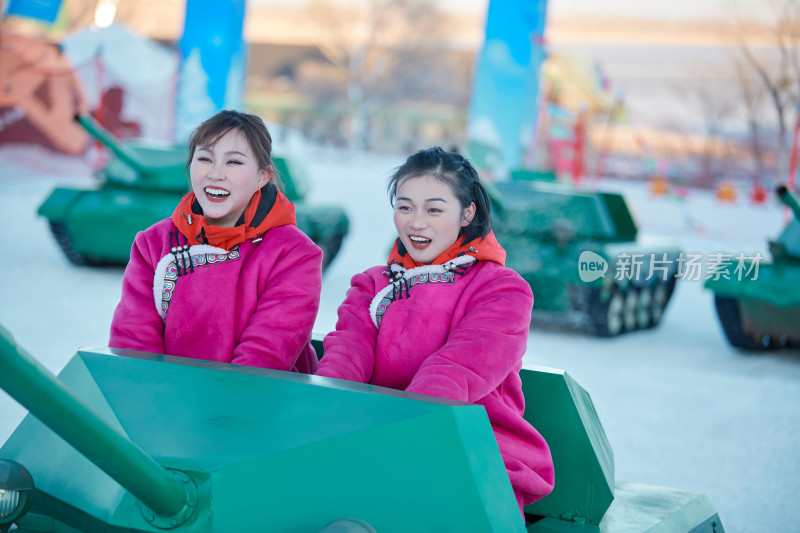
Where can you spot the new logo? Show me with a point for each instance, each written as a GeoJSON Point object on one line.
{"type": "Point", "coordinates": [591, 266]}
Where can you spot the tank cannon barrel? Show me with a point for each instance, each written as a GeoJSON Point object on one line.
{"type": "Point", "coordinates": [788, 198]}
{"type": "Point", "coordinates": [39, 391]}
{"type": "Point", "coordinates": [96, 130]}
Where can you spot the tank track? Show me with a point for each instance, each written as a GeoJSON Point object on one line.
{"type": "Point", "coordinates": [61, 236]}
{"type": "Point", "coordinates": [330, 248]}
{"type": "Point", "coordinates": [626, 310]}
{"type": "Point", "coordinates": [729, 319]}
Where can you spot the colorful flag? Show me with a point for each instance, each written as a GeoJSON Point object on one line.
{"type": "Point", "coordinates": [793, 160]}
{"type": "Point", "coordinates": [504, 104]}
{"type": "Point", "coordinates": [44, 10]}
{"type": "Point", "coordinates": [214, 61]}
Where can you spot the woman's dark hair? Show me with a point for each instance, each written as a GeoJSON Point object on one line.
{"type": "Point", "coordinates": [456, 171]}
{"type": "Point", "coordinates": [250, 126]}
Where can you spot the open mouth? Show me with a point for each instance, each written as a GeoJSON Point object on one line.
{"type": "Point", "coordinates": [216, 194]}
{"type": "Point", "coordinates": [418, 242]}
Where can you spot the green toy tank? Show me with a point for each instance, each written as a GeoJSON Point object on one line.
{"type": "Point", "coordinates": [581, 253]}
{"type": "Point", "coordinates": [128, 441]}
{"type": "Point", "coordinates": [141, 184]}
{"type": "Point", "coordinates": [758, 304]}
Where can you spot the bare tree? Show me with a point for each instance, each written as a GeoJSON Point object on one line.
{"type": "Point", "coordinates": [715, 106]}
{"type": "Point", "coordinates": [381, 49]}
{"type": "Point", "coordinates": [777, 66]}
{"type": "Point", "coordinates": [752, 95]}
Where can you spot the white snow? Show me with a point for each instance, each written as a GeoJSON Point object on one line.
{"type": "Point", "coordinates": [126, 56]}
{"type": "Point", "coordinates": [119, 57]}
{"type": "Point", "coordinates": [681, 408]}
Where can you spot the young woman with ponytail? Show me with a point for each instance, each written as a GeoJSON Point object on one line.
{"type": "Point", "coordinates": [445, 317]}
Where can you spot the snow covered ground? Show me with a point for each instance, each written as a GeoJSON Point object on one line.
{"type": "Point", "coordinates": [680, 407]}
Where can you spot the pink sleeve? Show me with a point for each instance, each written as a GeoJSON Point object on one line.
{"type": "Point", "coordinates": [136, 324]}
{"type": "Point", "coordinates": [350, 349]}
{"type": "Point", "coordinates": [281, 326]}
{"type": "Point", "coordinates": [484, 347]}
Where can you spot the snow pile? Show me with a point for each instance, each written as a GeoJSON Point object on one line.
{"type": "Point", "coordinates": [145, 71]}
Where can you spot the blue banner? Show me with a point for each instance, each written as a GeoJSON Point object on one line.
{"type": "Point", "coordinates": [505, 91]}
{"type": "Point", "coordinates": [214, 61]}
{"type": "Point", "coordinates": [44, 10]}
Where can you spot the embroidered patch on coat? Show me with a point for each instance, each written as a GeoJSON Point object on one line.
{"type": "Point", "coordinates": [171, 273]}
{"type": "Point", "coordinates": [402, 286]}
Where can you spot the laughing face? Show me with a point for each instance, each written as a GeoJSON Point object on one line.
{"type": "Point", "coordinates": [225, 177]}
{"type": "Point", "coordinates": [428, 217]}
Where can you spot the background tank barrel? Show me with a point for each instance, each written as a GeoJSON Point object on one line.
{"type": "Point", "coordinates": [36, 389]}
{"type": "Point", "coordinates": [123, 152]}
{"type": "Point", "coordinates": [789, 199]}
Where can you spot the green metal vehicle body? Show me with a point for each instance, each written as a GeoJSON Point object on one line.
{"type": "Point", "coordinates": [758, 304]}
{"type": "Point", "coordinates": [141, 184]}
{"type": "Point", "coordinates": [581, 253]}
{"type": "Point", "coordinates": [132, 441]}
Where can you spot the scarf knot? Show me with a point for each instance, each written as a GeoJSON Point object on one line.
{"type": "Point", "coordinates": [268, 208]}
{"type": "Point", "coordinates": [485, 248]}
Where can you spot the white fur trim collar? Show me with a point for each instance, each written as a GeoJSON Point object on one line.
{"type": "Point", "coordinates": [410, 273]}
{"type": "Point", "coordinates": [163, 264]}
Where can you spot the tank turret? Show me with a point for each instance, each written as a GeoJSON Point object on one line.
{"type": "Point", "coordinates": [130, 441]}
{"type": "Point", "coordinates": [582, 254]}
{"type": "Point", "coordinates": [22, 377]}
{"type": "Point", "coordinates": [140, 164]}
{"type": "Point", "coordinates": [141, 184]}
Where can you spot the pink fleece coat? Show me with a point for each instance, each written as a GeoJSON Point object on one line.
{"type": "Point", "coordinates": [254, 305]}
{"type": "Point", "coordinates": [451, 336]}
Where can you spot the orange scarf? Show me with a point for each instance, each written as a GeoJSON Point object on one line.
{"type": "Point", "coordinates": [485, 249]}
{"type": "Point", "coordinates": [259, 217]}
